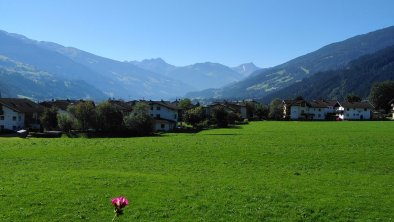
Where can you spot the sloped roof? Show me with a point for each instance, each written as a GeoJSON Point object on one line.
{"type": "Point", "coordinates": [292, 102]}
{"type": "Point", "coordinates": [322, 103]}
{"type": "Point", "coordinates": [363, 105]}
{"type": "Point", "coordinates": [21, 105]}
{"type": "Point", "coordinates": [165, 104]}
{"type": "Point", "coordinates": [60, 104]}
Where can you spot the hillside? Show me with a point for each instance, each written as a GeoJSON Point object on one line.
{"type": "Point", "coordinates": [330, 57]}
{"type": "Point", "coordinates": [21, 80]}
{"type": "Point", "coordinates": [356, 78]}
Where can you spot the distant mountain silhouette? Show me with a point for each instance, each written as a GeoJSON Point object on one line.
{"type": "Point", "coordinates": [246, 69]}
{"type": "Point", "coordinates": [200, 75]}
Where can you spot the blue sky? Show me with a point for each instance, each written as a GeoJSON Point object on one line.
{"type": "Point", "coordinates": [182, 32]}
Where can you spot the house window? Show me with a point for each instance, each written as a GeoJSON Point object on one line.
{"type": "Point", "coordinates": [158, 108]}
{"type": "Point", "coordinates": [319, 110]}
{"type": "Point", "coordinates": [157, 115]}
{"type": "Point", "coordinates": [1, 117]}
{"type": "Point", "coordinates": [162, 126]}
{"type": "Point", "coordinates": [14, 118]}
{"type": "Point", "coordinates": [347, 109]}
{"type": "Point", "coordinates": [365, 109]}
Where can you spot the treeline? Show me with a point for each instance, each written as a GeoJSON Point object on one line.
{"type": "Point", "coordinates": [105, 117]}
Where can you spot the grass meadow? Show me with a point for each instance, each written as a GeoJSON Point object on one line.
{"type": "Point", "coordinates": [264, 171]}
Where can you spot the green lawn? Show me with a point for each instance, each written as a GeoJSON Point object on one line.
{"type": "Point", "coordinates": [264, 171]}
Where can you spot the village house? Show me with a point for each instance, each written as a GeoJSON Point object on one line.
{"type": "Point", "coordinates": [16, 114]}
{"type": "Point", "coordinates": [392, 108]}
{"type": "Point", "coordinates": [354, 110]}
{"type": "Point", "coordinates": [322, 109]}
{"type": "Point", "coordinates": [296, 109]}
{"type": "Point", "coordinates": [165, 115]}
{"type": "Point", "coordinates": [326, 110]}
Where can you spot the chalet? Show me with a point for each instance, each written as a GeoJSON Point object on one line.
{"type": "Point", "coordinates": [165, 115]}
{"type": "Point", "coordinates": [296, 110]}
{"type": "Point", "coordinates": [322, 109]}
{"type": "Point", "coordinates": [354, 110]}
{"type": "Point", "coordinates": [16, 114]}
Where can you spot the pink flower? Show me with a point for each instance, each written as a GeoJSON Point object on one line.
{"type": "Point", "coordinates": [119, 202]}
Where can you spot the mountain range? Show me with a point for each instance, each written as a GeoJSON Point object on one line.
{"type": "Point", "coordinates": [356, 78]}
{"type": "Point", "coordinates": [335, 56]}
{"type": "Point", "coordinates": [45, 70]}
{"type": "Point", "coordinates": [55, 71]}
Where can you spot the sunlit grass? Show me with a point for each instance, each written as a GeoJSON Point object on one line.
{"type": "Point", "coordinates": [281, 171]}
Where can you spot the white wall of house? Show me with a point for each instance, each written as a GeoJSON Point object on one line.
{"type": "Point", "coordinates": [355, 113]}
{"type": "Point", "coordinates": [11, 119]}
{"type": "Point", "coordinates": [158, 111]}
{"type": "Point", "coordinates": [161, 125]}
{"type": "Point", "coordinates": [244, 114]}
{"type": "Point", "coordinates": [318, 113]}
{"type": "Point", "coordinates": [296, 111]}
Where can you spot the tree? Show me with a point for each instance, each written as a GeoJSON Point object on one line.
{"type": "Point", "coordinates": [353, 98]}
{"type": "Point", "coordinates": [194, 116]}
{"type": "Point", "coordinates": [85, 114]}
{"type": "Point", "coordinates": [220, 116]}
{"type": "Point", "coordinates": [276, 109]}
{"type": "Point", "coordinates": [109, 117]}
{"type": "Point", "coordinates": [250, 109]}
{"type": "Point", "coordinates": [185, 104]}
{"type": "Point", "coordinates": [233, 117]}
{"type": "Point", "coordinates": [49, 118]}
{"type": "Point", "coordinates": [66, 122]}
{"type": "Point", "coordinates": [262, 112]}
{"type": "Point", "coordinates": [139, 121]}
{"type": "Point", "coordinates": [381, 93]}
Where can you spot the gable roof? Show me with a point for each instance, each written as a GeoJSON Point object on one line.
{"type": "Point", "coordinates": [60, 104]}
{"type": "Point", "coordinates": [322, 103]}
{"type": "Point", "coordinates": [362, 105]}
{"type": "Point", "coordinates": [165, 104]}
{"type": "Point", "coordinates": [21, 105]}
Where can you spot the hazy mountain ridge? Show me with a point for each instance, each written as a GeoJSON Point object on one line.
{"type": "Point", "coordinates": [330, 57]}
{"type": "Point", "coordinates": [246, 69]}
{"type": "Point", "coordinates": [199, 75]}
{"type": "Point", "coordinates": [357, 78]}
{"type": "Point", "coordinates": [126, 80]}
{"type": "Point", "coordinates": [21, 80]}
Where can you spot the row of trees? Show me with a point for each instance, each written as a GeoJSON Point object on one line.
{"type": "Point", "coordinates": [104, 117]}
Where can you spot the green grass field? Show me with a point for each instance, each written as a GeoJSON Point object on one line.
{"type": "Point", "coordinates": [264, 171]}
